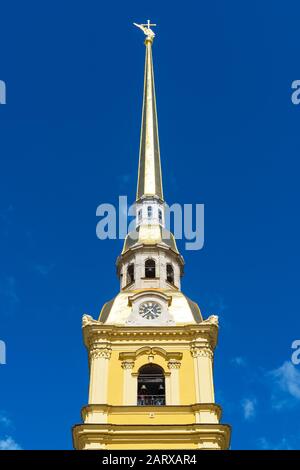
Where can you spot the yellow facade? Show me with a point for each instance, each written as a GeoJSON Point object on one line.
{"type": "Point", "coordinates": [189, 420]}
{"type": "Point", "coordinates": [150, 351]}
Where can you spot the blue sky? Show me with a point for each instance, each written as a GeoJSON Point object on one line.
{"type": "Point", "coordinates": [229, 137]}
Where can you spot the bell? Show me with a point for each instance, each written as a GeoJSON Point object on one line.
{"type": "Point", "coordinates": [143, 387]}
{"type": "Point", "coordinates": [161, 387]}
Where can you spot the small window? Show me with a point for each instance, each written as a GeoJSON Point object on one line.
{"type": "Point", "coordinates": [170, 273]}
{"type": "Point", "coordinates": [140, 215]}
{"type": "Point", "coordinates": [130, 274]}
{"type": "Point", "coordinates": [160, 216]}
{"type": "Point", "coordinates": [149, 211]}
{"type": "Point", "coordinates": [150, 268]}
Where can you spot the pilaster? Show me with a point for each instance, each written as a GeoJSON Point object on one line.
{"type": "Point", "coordinates": [174, 366]}
{"type": "Point", "coordinates": [203, 366]}
{"type": "Point", "coordinates": [99, 358]}
{"type": "Point", "coordinates": [129, 383]}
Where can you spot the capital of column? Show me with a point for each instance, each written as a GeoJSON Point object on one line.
{"type": "Point", "coordinates": [127, 364]}
{"type": "Point", "coordinates": [173, 364]}
{"type": "Point", "coordinates": [198, 351]}
{"type": "Point", "coordinates": [98, 351]}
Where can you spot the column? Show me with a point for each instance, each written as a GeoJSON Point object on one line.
{"type": "Point", "coordinates": [168, 388]}
{"type": "Point", "coordinates": [174, 367]}
{"type": "Point", "coordinates": [203, 360]}
{"type": "Point", "coordinates": [129, 383]}
{"type": "Point", "coordinates": [99, 357]}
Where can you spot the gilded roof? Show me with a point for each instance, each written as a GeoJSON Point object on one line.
{"type": "Point", "coordinates": [149, 172]}
{"type": "Point", "coordinates": [182, 309]}
{"type": "Point", "coordinates": [150, 235]}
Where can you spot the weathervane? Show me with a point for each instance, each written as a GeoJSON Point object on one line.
{"type": "Point", "coordinates": [147, 30]}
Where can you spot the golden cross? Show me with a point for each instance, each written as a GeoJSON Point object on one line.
{"type": "Point", "coordinates": [148, 24]}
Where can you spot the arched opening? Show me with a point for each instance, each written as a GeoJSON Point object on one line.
{"type": "Point", "coordinates": [150, 268]}
{"type": "Point", "coordinates": [160, 216]}
{"type": "Point", "coordinates": [151, 386]}
{"type": "Point", "coordinates": [130, 274]}
{"type": "Point", "coordinates": [170, 273]}
{"type": "Point", "coordinates": [140, 215]}
{"type": "Point", "coordinates": [149, 212]}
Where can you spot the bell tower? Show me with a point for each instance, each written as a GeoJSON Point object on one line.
{"type": "Point", "coordinates": [150, 351]}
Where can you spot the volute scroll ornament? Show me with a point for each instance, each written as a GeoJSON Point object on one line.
{"type": "Point", "coordinates": [212, 320]}
{"type": "Point", "coordinates": [88, 320]}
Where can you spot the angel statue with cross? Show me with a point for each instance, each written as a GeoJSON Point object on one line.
{"type": "Point", "coordinates": [146, 29]}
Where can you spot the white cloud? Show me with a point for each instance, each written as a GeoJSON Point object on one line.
{"type": "Point", "coordinates": [4, 420]}
{"type": "Point", "coordinates": [248, 406]}
{"type": "Point", "coordinates": [238, 361]}
{"type": "Point", "coordinates": [265, 444]}
{"type": "Point", "coordinates": [9, 444]}
{"type": "Point", "coordinates": [286, 380]}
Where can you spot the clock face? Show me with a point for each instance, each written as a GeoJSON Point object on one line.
{"type": "Point", "coordinates": [150, 310]}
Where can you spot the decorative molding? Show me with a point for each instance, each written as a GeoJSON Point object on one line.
{"type": "Point", "coordinates": [129, 409]}
{"type": "Point", "coordinates": [150, 352]}
{"type": "Point", "coordinates": [173, 364]}
{"type": "Point", "coordinates": [198, 351]}
{"type": "Point", "coordinates": [202, 332]}
{"type": "Point", "coordinates": [140, 247]}
{"type": "Point", "coordinates": [204, 435]}
{"type": "Point", "coordinates": [150, 292]}
{"type": "Point", "coordinates": [127, 364]}
{"type": "Point", "coordinates": [97, 352]}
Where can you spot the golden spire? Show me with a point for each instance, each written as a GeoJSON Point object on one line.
{"type": "Point", "coordinates": [149, 173]}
